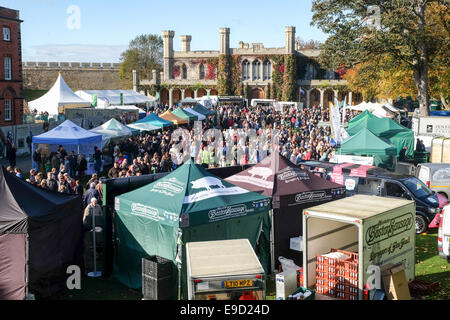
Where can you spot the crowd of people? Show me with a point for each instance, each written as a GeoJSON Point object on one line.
{"type": "Point", "coordinates": [300, 135]}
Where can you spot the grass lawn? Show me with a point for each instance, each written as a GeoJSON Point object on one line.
{"type": "Point", "coordinates": [431, 267]}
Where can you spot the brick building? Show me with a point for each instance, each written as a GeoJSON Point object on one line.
{"type": "Point", "coordinates": [11, 101]}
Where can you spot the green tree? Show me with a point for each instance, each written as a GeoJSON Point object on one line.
{"type": "Point", "coordinates": [362, 31]}
{"type": "Point", "coordinates": [144, 53]}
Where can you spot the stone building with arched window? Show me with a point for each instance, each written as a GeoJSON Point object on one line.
{"type": "Point", "coordinates": [258, 72]}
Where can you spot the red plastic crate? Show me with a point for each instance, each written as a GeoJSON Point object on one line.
{"type": "Point", "coordinates": [346, 296]}
{"type": "Point", "coordinates": [346, 288]}
{"type": "Point", "coordinates": [323, 289]}
{"type": "Point", "coordinates": [300, 277]}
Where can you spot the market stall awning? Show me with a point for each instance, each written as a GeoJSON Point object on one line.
{"type": "Point", "coordinates": [145, 126]}
{"type": "Point", "coordinates": [180, 112]}
{"type": "Point", "coordinates": [200, 116]}
{"type": "Point", "coordinates": [112, 129]}
{"type": "Point", "coordinates": [156, 121]}
{"type": "Point", "coordinates": [169, 116]}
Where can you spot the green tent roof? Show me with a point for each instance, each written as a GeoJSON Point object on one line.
{"type": "Point", "coordinates": [191, 196]}
{"type": "Point", "coordinates": [201, 109]}
{"type": "Point", "coordinates": [367, 143]}
{"type": "Point", "coordinates": [395, 133]}
{"type": "Point", "coordinates": [363, 115]}
{"type": "Point", "coordinates": [378, 126]}
{"type": "Point", "coordinates": [179, 112]}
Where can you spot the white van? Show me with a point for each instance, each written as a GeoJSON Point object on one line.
{"type": "Point", "coordinates": [444, 234]}
{"type": "Point", "coordinates": [436, 176]}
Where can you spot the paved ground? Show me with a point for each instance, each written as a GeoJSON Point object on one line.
{"type": "Point", "coordinates": [23, 162]}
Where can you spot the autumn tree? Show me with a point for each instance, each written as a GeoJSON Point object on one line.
{"type": "Point", "coordinates": [364, 31]}
{"type": "Point", "coordinates": [144, 53]}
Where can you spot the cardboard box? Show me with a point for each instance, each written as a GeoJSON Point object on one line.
{"type": "Point", "coordinates": [395, 283]}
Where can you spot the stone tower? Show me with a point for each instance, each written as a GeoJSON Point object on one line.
{"type": "Point", "coordinates": [186, 43]}
{"type": "Point", "coordinates": [224, 40]}
{"type": "Point", "coordinates": [290, 39]}
{"type": "Point", "coordinates": [168, 53]}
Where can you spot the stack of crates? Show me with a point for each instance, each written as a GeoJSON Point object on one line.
{"type": "Point", "coordinates": [338, 278]}
{"type": "Point", "coordinates": [157, 278]}
{"type": "Point", "coordinates": [300, 277]}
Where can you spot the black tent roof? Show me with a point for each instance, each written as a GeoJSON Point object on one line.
{"type": "Point", "coordinates": [21, 202]}
{"type": "Point", "coordinates": [277, 177]}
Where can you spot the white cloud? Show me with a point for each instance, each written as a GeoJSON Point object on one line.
{"type": "Point", "coordinates": [73, 53]}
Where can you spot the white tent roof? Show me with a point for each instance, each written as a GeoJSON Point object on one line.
{"type": "Point", "coordinates": [59, 95]}
{"type": "Point", "coordinates": [112, 129]}
{"type": "Point", "coordinates": [376, 108]}
{"type": "Point", "coordinates": [112, 97]}
{"type": "Point", "coordinates": [200, 116]}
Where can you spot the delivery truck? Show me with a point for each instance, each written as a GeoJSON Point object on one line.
{"type": "Point", "coordinates": [224, 270]}
{"type": "Point", "coordinates": [379, 229]}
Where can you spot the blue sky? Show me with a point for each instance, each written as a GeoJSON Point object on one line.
{"type": "Point", "coordinates": [106, 27]}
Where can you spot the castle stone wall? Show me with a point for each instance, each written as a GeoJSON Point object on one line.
{"type": "Point", "coordinates": [78, 75]}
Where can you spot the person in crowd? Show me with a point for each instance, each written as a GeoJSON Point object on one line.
{"type": "Point", "coordinates": [72, 164]}
{"type": "Point", "coordinates": [43, 184]}
{"type": "Point", "coordinates": [97, 160]}
{"type": "Point", "coordinates": [402, 155]}
{"type": "Point", "coordinates": [62, 152]}
{"type": "Point", "coordinates": [51, 182]}
{"type": "Point", "coordinates": [18, 173]}
{"type": "Point", "coordinates": [32, 178]}
{"type": "Point", "coordinates": [37, 159]}
{"type": "Point", "coordinates": [56, 160]}
{"type": "Point", "coordinates": [78, 189]}
{"type": "Point", "coordinates": [92, 208]}
{"type": "Point", "coordinates": [99, 188]}
{"type": "Point", "coordinates": [420, 146]}
{"type": "Point", "coordinates": [81, 166]}
{"type": "Point", "coordinates": [114, 171]}
{"type": "Point", "coordinates": [90, 193]}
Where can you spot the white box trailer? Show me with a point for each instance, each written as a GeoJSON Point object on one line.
{"type": "Point", "coordinates": [380, 229]}
{"type": "Point", "coordinates": [224, 270]}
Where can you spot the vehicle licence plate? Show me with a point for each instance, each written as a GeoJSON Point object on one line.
{"type": "Point", "coordinates": [238, 283]}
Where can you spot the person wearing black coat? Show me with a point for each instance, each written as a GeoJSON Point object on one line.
{"type": "Point", "coordinates": [81, 166]}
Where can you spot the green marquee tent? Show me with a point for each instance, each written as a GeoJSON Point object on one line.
{"type": "Point", "coordinates": [179, 112]}
{"type": "Point", "coordinates": [397, 134]}
{"type": "Point", "coordinates": [201, 109]}
{"type": "Point", "coordinates": [189, 204]}
{"type": "Point", "coordinates": [365, 143]}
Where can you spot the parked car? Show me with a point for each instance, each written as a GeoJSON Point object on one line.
{"type": "Point", "coordinates": [444, 234]}
{"type": "Point", "coordinates": [436, 176]}
{"type": "Point", "coordinates": [381, 182]}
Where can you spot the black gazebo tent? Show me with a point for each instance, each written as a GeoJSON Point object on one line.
{"type": "Point", "coordinates": [292, 190]}
{"type": "Point", "coordinates": [40, 236]}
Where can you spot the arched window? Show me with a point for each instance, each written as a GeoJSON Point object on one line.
{"type": "Point", "coordinates": [256, 70]}
{"type": "Point", "coordinates": [202, 71]}
{"type": "Point", "coordinates": [184, 71]}
{"type": "Point", "coordinates": [267, 70]}
{"type": "Point", "coordinates": [245, 70]}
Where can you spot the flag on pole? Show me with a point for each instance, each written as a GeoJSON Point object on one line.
{"type": "Point", "coordinates": [94, 100]}
{"type": "Point", "coordinates": [121, 99]}
{"type": "Point", "coordinates": [157, 96]}
{"type": "Point", "coordinates": [335, 122]}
